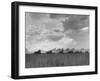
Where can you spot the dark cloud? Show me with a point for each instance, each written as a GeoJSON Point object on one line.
{"type": "Point", "coordinates": [55, 16]}
{"type": "Point", "coordinates": [54, 38]}
{"type": "Point", "coordinates": [76, 22]}
{"type": "Point", "coordinates": [35, 18]}
{"type": "Point", "coordinates": [82, 38]}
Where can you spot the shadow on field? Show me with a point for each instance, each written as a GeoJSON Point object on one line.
{"type": "Point", "coordinates": [55, 60]}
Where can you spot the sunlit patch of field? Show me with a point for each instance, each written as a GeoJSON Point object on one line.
{"type": "Point", "coordinates": [55, 60]}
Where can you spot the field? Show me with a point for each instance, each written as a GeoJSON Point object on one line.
{"type": "Point", "coordinates": [55, 60]}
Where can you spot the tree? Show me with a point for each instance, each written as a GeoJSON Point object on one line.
{"type": "Point", "coordinates": [49, 52]}
{"type": "Point", "coordinates": [37, 52]}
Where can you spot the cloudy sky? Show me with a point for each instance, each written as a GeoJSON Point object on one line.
{"type": "Point", "coordinates": [46, 31]}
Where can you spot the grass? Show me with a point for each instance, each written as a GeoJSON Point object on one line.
{"type": "Point", "coordinates": [55, 60]}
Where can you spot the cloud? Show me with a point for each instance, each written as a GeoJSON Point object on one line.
{"type": "Point", "coordinates": [45, 33]}
{"type": "Point", "coordinates": [84, 29]}
{"type": "Point", "coordinates": [49, 45]}
{"type": "Point", "coordinates": [46, 39]}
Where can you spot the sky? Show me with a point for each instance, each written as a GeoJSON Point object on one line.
{"type": "Point", "coordinates": [46, 31]}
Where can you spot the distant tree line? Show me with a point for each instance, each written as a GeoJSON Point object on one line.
{"type": "Point", "coordinates": [63, 51]}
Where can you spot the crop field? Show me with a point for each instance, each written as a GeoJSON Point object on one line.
{"type": "Point", "coordinates": [56, 60]}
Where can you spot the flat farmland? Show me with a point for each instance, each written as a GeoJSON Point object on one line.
{"type": "Point", "coordinates": [56, 60]}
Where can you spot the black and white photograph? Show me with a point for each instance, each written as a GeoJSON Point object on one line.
{"type": "Point", "coordinates": [50, 40]}
{"type": "Point", "coordinates": [54, 40]}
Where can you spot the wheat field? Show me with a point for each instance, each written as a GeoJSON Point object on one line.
{"type": "Point", "coordinates": [55, 60]}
